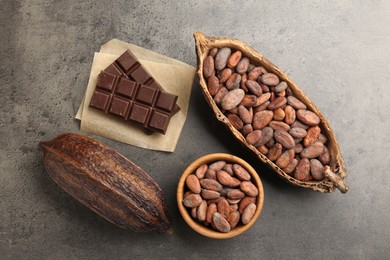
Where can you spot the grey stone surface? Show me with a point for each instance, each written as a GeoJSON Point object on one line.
{"type": "Point", "coordinates": [337, 51]}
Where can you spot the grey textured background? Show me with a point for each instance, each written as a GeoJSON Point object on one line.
{"type": "Point", "coordinates": [337, 51]}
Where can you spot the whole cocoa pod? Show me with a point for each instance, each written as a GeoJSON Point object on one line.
{"type": "Point", "coordinates": [106, 182]}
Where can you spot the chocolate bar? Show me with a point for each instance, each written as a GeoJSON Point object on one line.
{"type": "Point", "coordinates": [134, 102]}
{"type": "Point", "coordinates": [128, 66]}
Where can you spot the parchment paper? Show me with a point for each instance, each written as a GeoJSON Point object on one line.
{"type": "Point", "coordinates": [174, 76]}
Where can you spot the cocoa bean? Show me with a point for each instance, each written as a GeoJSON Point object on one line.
{"type": "Point", "coordinates": [322, 138]}
{"type": "Point", "coordinates": [247, 129]}
{"type": "Point", "coordinates": [234, 59]}
{"type": "Point", "coordinates": [250, 67]}
{"type": "Point", "coordinates": [275, 151]}
{"type": "Point", "coordinates": [248, 213]}
{"type": "Point", "coordinates": [225, 179]}
{"type": "Point", "coordinates": [254, 87]}
{"type": "Point", "coordinates": [210, 194]}
{"type": "Point", "coordinates": [233, 219]}
{"type": "Point", "coordinates": [270, 143]}
{"type": "Point", "coordinates": [278, 125]}
{"type": "Point", "coordinates": [218, 165]}
{"type": "Point", "coordinates": [192, 200]}
{"type": "Point", "coordinates": [265, 88]}
{"type": "Point", "coordinates": [201, 170]}
{"type": "Point", "coordinates": [228, 168]}
{"type": "Point", "coordinates": [241, 172]}
{"type": "Point", "coordinates": [289, 91]}
{"type": "Point", "coordinates": [281, 87]}
{"type": "Point", "coordinates": [298, 132]}
{"type": "Point", "coordinates": [262, 107]}
{"type": "Point", "coordinates": [316, 169]}
{"type": "Point", "coordinates": [262, 99]}
{"type": "Point", "coordinates": [290, 115]}
{"type": "Point", "coordinates": [299, 124]}
{"type": "Point", "coordinates": [281, 94]}
{"type": "Point", "coordinates": [213, 85]}
{"type": "Point", "coordinates": [262, 149]}
{"type": "Point", "coordinates": [267, 134]}
{"type": "Point", "coordinates": [245, 115]}
{"type": "Point", "coordinates": [244, 78]}
{"type": "Point", "coordinates": [201, 212]}
{"type": "Point", "coordinates": [249, 101]}
{"type": "Point", "coordinates": [253, 137]}
{"type": "Point", "coordinates": [295, 103]}
{"type": "Point", "coordinates": [223, 207]}
{"type": "Point", "coordinates": [193, 212]}
{"type": "Point", "coordinates": [187, 194]}
{"type": "Point", "coordinates": [245, 202]}
{"type": "Point", "coordinates": [302, 171]}
{"type": "Point", "coordinates": [222, 57]}
{"type": "Point", "coordinates": [285, 158]}
{"type": "Point", "coordinates": [279, 114]}
{"type": "Point", "coordinates": [233, 82]}
{"type": "Point", "coordinates": [233, 110]}
{"type": "Point", "coordinates": [313, 150]}
{"type": "Point", "coordinates": [297, 140]}
{"type": "Point", "coordinates": [211, 184]}
{"type": "Point", "coordinates": [308, 117]}
{"type": "Point", "coordinates": [235, 194]}
{"type": "Point", "coordinates": [213, 52]}
{"type": "Point", "coordinates": [192, 183]}
{"type": "Point", "coordinates": [208, 67]}
{"type": "Point", "coordinates": [325, 156]}
{"type": "Point", "coordinates": [242, 65]}
{"type": "Point", "coordinates": [232, 99]}
{"type": "Point", "coordinates": [255, 73]}
{"type": "Point", "coordinates": [233, 204]}
{"type": "Point", "coordinates": [220, 223]}
{"type": "Point", "coordinates": [277, 103]}
{"type": "Point", "coordinates": [236, 121]}
{"type": "Point", "coordinates": [284, 138]}
{"type": "Point", "coordinates": [249, 188]}
{"type": "Point", "coordinates": [210, 174]}
{"type": "Point", "coordinates": [312, 135]}
{"type": "Point", "coordinates": [220, 94]}
{"type": "Point", "coordinates": [224, 75]}
{"type": "Point", "coordinates": [211, 209]}
{"type": "Point", "coordinates": [298, 148]}
{"type": "Point", "coordinates": [262, 119]}
{"type": "Point", "coordinates": [269, 79]}
{"type": "Point", "coordinates": [289, 169]}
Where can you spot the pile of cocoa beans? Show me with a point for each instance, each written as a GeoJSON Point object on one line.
{"type": "Point", "coordinates": [263, 108]}
{"type": "Point", "coordinates": [221, 195]}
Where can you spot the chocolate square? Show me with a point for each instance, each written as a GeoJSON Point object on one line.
{"type": "Point", "coordinates": [106, 81]}
{"type": "Point", "coordinates": [126, 88]}
{"type": "Point", "coordinates": [120, 107]}
{"type": "Point", "coordinates": [166, 101]}
{"type": "Point", "coordinates": [139, 114]}
{"type": "Point", "coordinates": [146, 95]}
{"type": "Point", "coordinates": [159, 121]}
{"type": "Point", "coordinates": [100, 100]}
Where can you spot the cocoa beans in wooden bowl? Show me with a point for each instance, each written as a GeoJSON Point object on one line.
{"type": "Point", "coordinates": [220, 196]}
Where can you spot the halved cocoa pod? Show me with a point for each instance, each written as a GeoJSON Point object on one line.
{"type": "Point", "coordinates": [336, 173]}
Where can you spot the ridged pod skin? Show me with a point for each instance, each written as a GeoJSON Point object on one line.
{"type": "Point", "coordinates": [106, 182]}
{"type": "Point", "coordinates": [334, 175]}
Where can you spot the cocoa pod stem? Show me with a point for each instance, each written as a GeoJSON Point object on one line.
{"type": "Point", "coordinates": [338, 182]}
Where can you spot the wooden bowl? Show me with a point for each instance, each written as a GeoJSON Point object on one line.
{"type": "Point", "coordinates": [207, 231]}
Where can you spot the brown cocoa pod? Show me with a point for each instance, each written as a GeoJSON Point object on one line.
{"type": "Point", "coordinates": [313, 150]}
{"type": "Point", "coordinates": [222, 91]}
{"type": "Point", "coordinates": [211, 184]}
{"type": "Point", "coordinates": [295, 103]}
{"type": "Point", "coordinates": [298, 148]}
{"type": "Point", "coordinates": [281, 87]}
{"type": "Point", "coordinates": [290, 115]}
{"type": "Point", "coordinates": [316, 169]}
{"type": "Point", "coordinates": [254, 87]}
{"type": "Point", "coordinates": [261, 119]}
{"type": "Point", "coordinates": [106, 182]}
{"type": "Point", "coordinates": [277, 103]}
{"type": "Point", "coordinates": [233, 82]}
{"type": "Point", "coordinates": [223, 207]}
{"type": "Point", "coordinates": [285, 158]}
{"type": "Point", "coordinates": [228, 168]}
{"type": "Point", "coordinates": [242, 65]}
{"type": "Point", "coordinates": [192, 200]}
{"type": "Point", "coordinates": [211, 209]}
{"type": "Point", "coordinates": [241, 172]}
{"type": "Point", "coordinates": [222, 57]}
{"type": "Point", "coordinates": [245, 115]}
{"type": "Point", "coordinates": [235, 194]}
{"type": "Point", "coordinates": [220, 223]}
{"type": "Point", "coordinates": [224, 75]}
{"type": "Point", "coordinates": [210, 174]}
{"type": "Point", "coordinates": [289, 169]}
{"type": "Point", "coordinates": [275, 151]}
{"type": "Point", "coordinates": [218, 165]}
{"type": "Point", "coordinates": [325, 156]}
{"type": "Point", "coordinates": [244, 78]}
{"type": "Point", "coordinates": [213, 52]}
{"type": "Point", "coordinates": [308, 117]}
{"type": "Point", "coordinates": [192, 183]}
{"type": "Point", "coordinates": [267, 134]}
{"type": "Point", "coordinates": [249, 188]}
{"type": "Point", "coordinates": [201, 170]}
{"type": "Point", "coordinates": [233, 219]}
{"type": "Point", "coordinates": [245, 202]}
{"type": "Point", "coordinates": [278, 125]}
{"type": "Point", "coordinates": [284, 138]}
{"type": "Point", "coordinates": [262, 99]}
{"type": "Point", "coordinates": [299, 124]}
{"type": "Point", "coordinates": [210, 194]}
{"type": "Point", "coordinates": [253, 137]}
{"type": "Point", "coordinates": [247, 129]}
{"type": "Point", "coordinates": [312, 135]}
{"type": "Point", "coordinates": [279, 114]}
{"type": "Point", "coordinates": [249, 101]}
{"type": "Point", "coordinates": [302, 171]}
{"type": "Point", "coordinates": [262, 149]}
{"type": "Point", "coordinates": [208, 67]}
{"type": "Point", "coordinates": [269, 79]}
{"type": "Point", "coordinates": [201, 211]}
{"type": "Point", "coordinates": [236, 121]}
{"type": "Point", "coordinates": [232, 99]}
{"type": "Point", "coordinates": [248, 213]}
{"type": "Point", "coordinates": [298, 132]}
{"type": "Point", "coordinates": [322, 138]}
{"type": "Point", "coordinates": [234, 59]}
